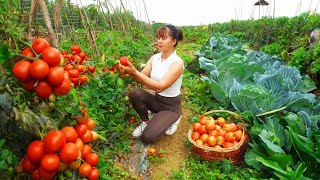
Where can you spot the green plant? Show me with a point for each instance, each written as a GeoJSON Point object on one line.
{"type": "Point", "coordinates": [8, 160]}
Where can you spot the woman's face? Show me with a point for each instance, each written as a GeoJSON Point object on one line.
{"type": "Point", "coordinates": [165, 42]}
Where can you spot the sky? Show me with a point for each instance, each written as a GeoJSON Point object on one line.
{"type": "Point", "coordinates": [202, 12]}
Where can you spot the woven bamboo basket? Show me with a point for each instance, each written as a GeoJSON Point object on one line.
{"type": "Point", "coordinates": [235, 153]}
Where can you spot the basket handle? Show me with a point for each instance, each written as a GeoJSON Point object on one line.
{"type": "Point", "coordinates": [221, 110]}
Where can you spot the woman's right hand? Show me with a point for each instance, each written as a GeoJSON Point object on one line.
{"type": "Point", "coordinates": [130, 69]}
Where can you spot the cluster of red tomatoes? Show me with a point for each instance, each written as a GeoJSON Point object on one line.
{"type": "Point", "coordinates": [216, 133]}
{"type": "Point", "coordinates": [75, 64]}
{"type": "Point", "coordinates": [44, 75]}
{"type": "Point", "coordinates": [68, 148]}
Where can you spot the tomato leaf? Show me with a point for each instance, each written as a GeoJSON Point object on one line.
{"type": "Point", "coordinates": [5, 54]}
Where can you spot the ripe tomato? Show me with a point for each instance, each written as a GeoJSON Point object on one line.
{"type": "Point", "coordinates": [202, 129]}
{"type": "Point", "coordinates": [124, 61]}
{"type": "Point", "coordinates": [80, 68]}
{"type": "Point", "coordinates": [70, 134]}
{"type": "Point", "coordinates": [92, 159]}
{"type": "Point", "coordinates": [87, 137]}
{"type": "Point", "coordinates": [81, 129]}
{"type": "Point", "coordinates": [195, 135]}
{"type": "Point", "coordinates": [196, 126]}
{"type": "Point", "coordinates": [83, 79]}
{"type": "Point", "coordinates": [62, 166]}
{"type": "Point", "coordinates": [29, 166]}
{"type": "Point", "coordinates": [230, 137]}
{"type": "Point", "coordinates": [86, 150]}
{"type": "Point", "coordinates": [227, 144]}
{"type": "Point", "coordinates": [50, 162]}
{"type": "Point", "coordinates": [74, 73]}
{"type": "Point", "coordinates": [210, 125]}
{"type": "Point", "coordinates": [85, 169]}
{"type": "Point", "coordinates": [39, 44]}
{"type": "Point", "coordinates": [21, 70]}
{"type": "Point", "coordinates": [214, 133]}
{"type": "Point", "coordinates": [222, 132]}
{"type": "Point", "coordinates": [82, 55]}
{"type": "Point", "coordinates": [204, 138]}
{"type": "Point", "coordinates": [221, 121]}
{"type": "Point", "coordinates": [94, 175]}
{"type": "Point", "coordinates": [54, 141]}
{"type": "Point", "coordinates": [238, 135]}
{"type": "Point", "coordinates": [79, 144]}
{"type": "Point", "coordinates": [75, 164]}
{"type": "Point", "coordinates": [46, 174]}
{"type": "Point", "coordinates": [234, 127]}
{"type": "Point", "coordinates": [69, 153]}
{"type": "Point", "coordinates": [91, 124]}
{"type": "Point", "coordinates": [152, 151]}
{"type": "Point", "coordinates": [203, 120]}
{"type": "Point", "coordinates": [68, 67]}
{"type": "Point", "coordinates": [43, 89]}
{"type": "Point", "coordinates": [35, 175]}
{"type": "Point", "coordinates": [28, 84]}
{"type": "Point", "coordinates": [39, 69]}
{"type": "Point", "coordinates": [212, 141]}
{"type": "Point", "coordinates": [55, 76]}
{"type": "Point", "coordinates": [75, 48]}
{"type": "Point", "coordinates": [35, 151]}
{"type": "Point", "coordinates": [52, 56]}
{"type": "Point", "coordinates": [63, 88]}
{"type": "Point", "coordinates": [27, 52]}
{"type": "Point", "coordinates": [91, 69]}
{"type": "Point", "coordinates": [220, 140]}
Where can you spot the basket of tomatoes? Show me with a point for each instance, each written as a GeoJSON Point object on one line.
{"type": "Point", "coordinates": [219, 134]}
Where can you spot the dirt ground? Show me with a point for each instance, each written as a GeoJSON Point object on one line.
{"type": "Point", "coordinates": [174, 147]}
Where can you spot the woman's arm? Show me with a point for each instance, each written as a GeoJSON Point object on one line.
{"type": "Point", "coordinates": [146, 71]}
{"type": "Point", "coordinates": [174, 72]}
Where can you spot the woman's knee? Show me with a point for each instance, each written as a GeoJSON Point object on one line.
{"type": "Point", "coordinates": [136, 93]}
{"type": "Point", "coordinates": [148, 138]}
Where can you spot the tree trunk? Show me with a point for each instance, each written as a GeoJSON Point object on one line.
{"type": "Point", "coordinates": [52, 39]}
{"type": "Point", "coordinates": [57, 17]}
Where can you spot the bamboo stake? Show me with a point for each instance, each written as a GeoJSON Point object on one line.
{"type": "Point", "coordinates": [31, 14]}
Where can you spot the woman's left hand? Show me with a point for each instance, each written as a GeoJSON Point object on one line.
{"type": "Point", "coordinates": [130, 69]}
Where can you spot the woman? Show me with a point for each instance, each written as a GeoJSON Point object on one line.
{"type": "Point", "coordinates": [163, 73]}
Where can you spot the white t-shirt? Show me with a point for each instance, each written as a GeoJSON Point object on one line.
{"type": "Point", "coordinates": [160, 68]}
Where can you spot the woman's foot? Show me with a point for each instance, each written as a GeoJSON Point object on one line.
{"type": "Point", "coordinates": [139, 130]}
{"type": "Point", "coordinates": [173, 128]}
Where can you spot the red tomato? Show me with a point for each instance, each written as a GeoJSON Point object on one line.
{"type": "Point", "coordinates": [68, 67]}
{"type": "Point", "coordinates": [87, 137]}
{"type": "Point", "coordinates": [94, 175]}
{"type": "Point", "coordinates": [92, 159]}
{"type": "Point", "coordinates": [86, 150]}
{"type": "Point", "coordinates": [210, 125]}
{"type": "Point", "coordinates": [50, 162]}
{"type": "Point", "coordinates": [230, 137]}
{"type": "Point", "coordinates": [80, 68]}
{"type": "Point", "coordinates": [74, 73]}
{"type": "Point", "coordinates": [238, 135]}
{"type": "Point", "coordinates": [75, 48]}
{"type": "Point", "coordinates": [196, 126]}
{"type": "Point", "coordinates": [38, 45]}
{"type": "Point", "coordinates": [81, 129]}
{"type": "Point", "coordinates": [27, 52]}
{"type": "Point", "coordinates": [35, 151]}
{"type": "Point", "coordinates": [91, 124]}
{"type": "Point", "coordinates": [212, 141]}
{"type": "Point", "coordinates": [69, 153]}
{"type": "Point", "coordinates": [83, 79]}
{"type": "Point", "coordinates": [82, 55]}
{"type": "Point", "coordinates": [70, 134]}
{"type": "Point", "coordinates": [21, 70]}
{"type": "Point", "coordinates": [195, 135]}
{"type": "Point", "coordinates": [124, 61]}
{"type": "Point", "coordinates": [79, 144]}
{"type": "Point", "coordinates": [54, 141]}
{"type": "Point", "coordinates": [52, 56]}
{"type": "Point", "coordinates": [28, 84]}
{"type": "Point", "coordinates": [39, 69]}
{"type": "Point", "coordinates": [92, 69]}
{"type": "Point", "coordinates": [46, 174]}
{"type": "Point", "coordinates": [63, 88]}
{"type": "Point", "coordinates": [35, 175]}
{"type": "Point", "coordinates": [85, 169]}
{"type": "Point", "coordinates": [55, 76]}
{"type": "Point", "coordinates": [43, 89]}
{"type": "Point", "coordinates": [29, 166]}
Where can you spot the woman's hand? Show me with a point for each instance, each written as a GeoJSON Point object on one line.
{"type": "Point", "coordinates": [130, 69]}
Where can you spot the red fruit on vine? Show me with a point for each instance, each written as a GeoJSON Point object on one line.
{"type": "Point", "coordinates": [124, 60]}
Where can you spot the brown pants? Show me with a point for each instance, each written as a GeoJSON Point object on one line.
{"type": "Point", "coordinates": [167, 111]}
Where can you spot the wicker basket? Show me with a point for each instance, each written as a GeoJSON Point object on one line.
{"type": "Point", "coordinates": [235, 153]}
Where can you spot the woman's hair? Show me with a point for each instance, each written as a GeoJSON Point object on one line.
{"type": "Point", "coordinates": [172, 30]}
